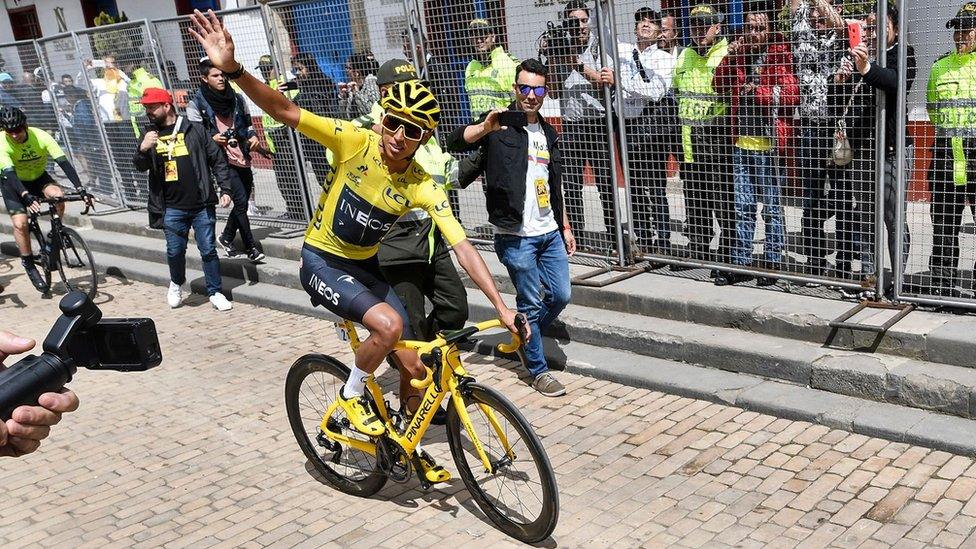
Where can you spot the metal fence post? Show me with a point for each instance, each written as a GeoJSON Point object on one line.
{"type": "Point", "coordinates": [49, 76]}
{"type": "Point", "coordinates": [622, 139]}
{"type": "Point", "coordinates": [608, 101]}
{"type": "Point", "coordinates": [880, 237]}
{"type": "Point", "coordinates": [898, 263]}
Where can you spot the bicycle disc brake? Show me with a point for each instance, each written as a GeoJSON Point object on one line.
{"type": "Point", "coordinates": [393, 460]}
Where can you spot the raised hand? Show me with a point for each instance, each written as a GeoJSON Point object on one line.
{"type": "Point", "coordinates": [216, 41]}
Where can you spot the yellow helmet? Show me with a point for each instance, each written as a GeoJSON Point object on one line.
{"type": "Point", "coordinates": [414, 101]}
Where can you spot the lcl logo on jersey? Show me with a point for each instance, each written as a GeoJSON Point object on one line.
{"type": "Point", "coordinates": [395, 200]}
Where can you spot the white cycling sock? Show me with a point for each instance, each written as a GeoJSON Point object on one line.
{"type": "Point", "coordinates": [356, 383]}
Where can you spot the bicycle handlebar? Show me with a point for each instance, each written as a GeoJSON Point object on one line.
{"type": "Point", "coordinates": [68, 197]}
{"type": "Point", "coordinates": [508, 348]}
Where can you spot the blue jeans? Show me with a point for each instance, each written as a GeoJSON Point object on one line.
{"type": "Point", "coordinates": [756, 181]}
{"type": "Point", "coordinates": [177, 224]}
{"type": "Point", "coordinates": [539, 268]}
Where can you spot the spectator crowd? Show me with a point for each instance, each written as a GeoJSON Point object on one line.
{"type": "Point", "coordinates": [777, 105]}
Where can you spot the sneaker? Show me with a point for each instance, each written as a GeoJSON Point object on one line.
{"type": "Point", "coordinates": [361, 414]}
{"type": "Point", "coordinates": [729, 279]}
{"type": "Point", "coordinates": [175, 295]}
{"type": "Point", "coordinates": [220, 302]}
{"type": "Point", "coordinates": [227, 244]}
{"type": "Point", "coordinates": [35, 276]}
{"type": "Point", "coordinates": [255, 255]}
{"type": "Point", "coordinates": [548, 385]}
{"type": "Point", "coordinates": [764, 281]}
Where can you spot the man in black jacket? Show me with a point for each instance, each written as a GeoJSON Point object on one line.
{"type": "Point", "coordinates": [886, 79]}
{"type": "Point", "coordinates": [523, 188]}
{"type": "Point", "coordinates": [182, 161]}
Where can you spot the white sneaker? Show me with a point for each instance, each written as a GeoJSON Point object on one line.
{"type": "Point", "coordinates": [175, 295]}
{"type": "Point", "coordinates": [220, 302]}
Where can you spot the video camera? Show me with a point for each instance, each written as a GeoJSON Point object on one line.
{"type": "Point", "coordinates": [79, 338]}
{"type": "Point", "coordinates": [560, 39]}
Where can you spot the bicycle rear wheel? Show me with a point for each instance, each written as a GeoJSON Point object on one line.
{"type": "Point", "coordinates": [76, 264]}
{"type": "Point", "coordinates": [312, 385]}
{"type": "Point", "coordinates": [520, 496]}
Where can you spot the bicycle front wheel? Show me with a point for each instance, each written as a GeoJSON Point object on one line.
{"type": "Point", "coordinates": [76, 264]}
{"type": "Point", "coordinates": [519, 495]}
{"type": "Point", "coordinates": [312, 386]}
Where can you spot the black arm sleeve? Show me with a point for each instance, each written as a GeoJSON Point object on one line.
{"type": "Point", "coordinates": [455, 141]}
{"type": "Point", "coordinates": [69, 170]}
{"type": "Point", "coordinates": [469, 168]}
{"type": "Point", "coordinates": [882, 78]}
{"type": "Point", "coordinates": [12, 183]}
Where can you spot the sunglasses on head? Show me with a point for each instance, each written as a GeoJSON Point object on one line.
{"type": "Point", "coordinates": [524, 89]}
{"type": "Point", "coordinates": [411, 131]}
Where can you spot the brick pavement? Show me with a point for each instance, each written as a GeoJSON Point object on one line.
{"type": "Point", "coordinates": [198, 453]}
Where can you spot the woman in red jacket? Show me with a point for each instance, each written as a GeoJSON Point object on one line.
{"type": "Point", "coordinates": [757, 76]}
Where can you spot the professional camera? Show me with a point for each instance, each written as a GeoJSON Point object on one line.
{"type": "Point", "coordinates": [560, 40]}
{"type": "Point", "coordinates": [230, 136]}
{"type": "Point", "coordinates": [79, 338]}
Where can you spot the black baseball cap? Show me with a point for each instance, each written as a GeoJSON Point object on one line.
{"type": "Point", "coordinates": [395, 70]}
{"type": "Point", "coordinates": [704, 15]}
{"type": "Point", "coordinates": [265, 62]}
{"type": "Point", "coordinates": [965, 18]}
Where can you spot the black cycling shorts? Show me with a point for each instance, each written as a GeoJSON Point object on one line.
{"type": "Point", "coordinates": [36, 187]}
{"type": "Point", "coordinates": [348, 287]}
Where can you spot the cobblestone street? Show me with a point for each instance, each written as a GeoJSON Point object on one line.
{"type": "Point", "coordinates": [198, 453]}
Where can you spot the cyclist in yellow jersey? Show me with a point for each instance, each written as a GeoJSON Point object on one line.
{"type": "Point", "coordinates": [24, 154]}
{"type": "Point", "coordinates": [375, 180]}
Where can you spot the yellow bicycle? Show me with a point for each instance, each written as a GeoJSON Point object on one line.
{"type": "Point", "coordinates": [500, 458]}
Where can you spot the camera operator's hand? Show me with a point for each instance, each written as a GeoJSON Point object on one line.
{"type": "Point", "coordinates": [220, 139]}
{"type": "Point", "coordinates": [29, 425]}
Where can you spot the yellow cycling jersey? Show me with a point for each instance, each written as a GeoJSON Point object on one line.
{"type": "Point", "coordinates": [360, 198]}
{"type": "Point", "coordinates": [29, 159]}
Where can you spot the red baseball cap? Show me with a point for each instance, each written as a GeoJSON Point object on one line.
{"type": "Point", "coordinates": [155, 96]}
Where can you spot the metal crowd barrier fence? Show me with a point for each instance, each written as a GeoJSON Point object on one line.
{"type": "Point", "coordinates": [278, 196]}
{"type": "Point", "coordinates": [933, 160]}
{"type": "Point", "coordinates": [117, 62]}
{"type": "Point", "coordinates": [657, 170]}
{"type": "Point", "coordinates": [62, 59]}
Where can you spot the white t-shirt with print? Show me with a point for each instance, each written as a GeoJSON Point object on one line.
{"type": "Point", "coordinates": [537, 216]}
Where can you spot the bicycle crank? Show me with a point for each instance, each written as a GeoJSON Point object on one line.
{"type": "Point", "coordinates": [393, 460]}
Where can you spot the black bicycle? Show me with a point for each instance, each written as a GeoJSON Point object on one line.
{"type": "Point", "coordinates": [63, 250]}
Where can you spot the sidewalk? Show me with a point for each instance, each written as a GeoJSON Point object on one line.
{"type": "Point", "coordinates": [198, 453]}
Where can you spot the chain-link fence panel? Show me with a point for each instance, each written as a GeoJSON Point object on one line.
{"type": "Point", "coordinates": [266, 167]}
{"type": "Point", "coordinates": [936, 139]}
{"type": "Point", "coordinates": [63, 58]}
{"type": "Point", "coordinates": [472, 51]}
{"type": "Point", "coordinates": [329, 54]}
{"type": "Point", "coordinates": [752, 139]}
{"type": "Point", "coordinates": [121, 65]}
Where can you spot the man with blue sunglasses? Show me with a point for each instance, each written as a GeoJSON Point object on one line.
{"type": "Point", "coordinates": [524, 195]}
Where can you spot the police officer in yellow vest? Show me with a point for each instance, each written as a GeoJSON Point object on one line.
{"type": "Point", "coordinates": [278, 140]}
{"type": "Point", "coordinates": [951, 98]}
{"type": "Point", "coordinates": [488, 77]}
{"type": "Point", "coordinates": [706, 146]}
{"type": "Point", "coordinates": [413, 256]}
